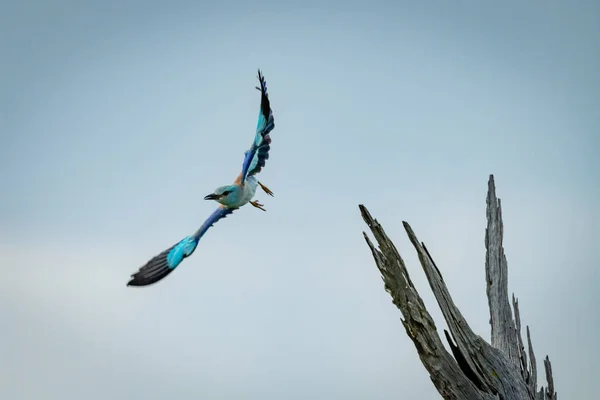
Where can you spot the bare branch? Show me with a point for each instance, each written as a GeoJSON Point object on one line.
{"type": "Point", "coordinates": [550, 393]}
{"type": "Point", "coordinates": [445, 373]}
{"type": "Point", "coordinates": [476, 369]}
{"type": "Point", "coordinates": [494, 372]}
{"type": "Point", "coordinates": [522, 353]}
{"type": "Point", "coordinates": [532, 365]}
{"type": "Point", "coordinates": [496, 270]}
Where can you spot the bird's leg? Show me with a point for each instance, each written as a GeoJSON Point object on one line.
{"type": "Point", "coordinates": [266, 189]}
{"type": "Point", "coordinates": [256, 204]}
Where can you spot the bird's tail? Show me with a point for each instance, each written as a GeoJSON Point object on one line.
{"type": "Point", "coordinates": [164, 263]}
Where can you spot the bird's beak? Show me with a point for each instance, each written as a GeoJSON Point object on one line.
{"type": "Point", "coordinates": [213, 196]}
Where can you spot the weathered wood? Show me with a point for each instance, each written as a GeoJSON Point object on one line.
{"type": "Point", "coordinates": [550, 393]}
{"type": "Point", "coordinates": [476, 369]}
{"type": "Point", "coordinates": [504, 335]}
{"type": "Point", "coordinates": [532, 365]}
{"type": "Point", "coordinates": [443, 369]}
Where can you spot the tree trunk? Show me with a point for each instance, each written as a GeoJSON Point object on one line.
{"type": "Point", "coordinates": [475, 369]}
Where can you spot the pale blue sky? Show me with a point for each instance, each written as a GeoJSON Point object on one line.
{"type": "Point", "coordinates": [117, 118]}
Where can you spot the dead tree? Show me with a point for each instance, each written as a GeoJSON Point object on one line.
{"type": "Point", "coordinates": [475, 369]}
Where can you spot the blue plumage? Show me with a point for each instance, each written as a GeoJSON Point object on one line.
{"type": "Point", "coordinates": [255, 157]}
{"type": "Point", "coordinates": [219, 213]}
{"type": "Point", "coordinates": [231, 197]}
{"type": "Point", "coordinates": [164, 263]}
{"type": "Point", "coordinates": [183, 249]}
{"type": "Point", "coordinates": [159, 266]}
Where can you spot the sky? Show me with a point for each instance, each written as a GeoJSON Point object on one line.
{"type": "Point", "coordinates": [118, 117]}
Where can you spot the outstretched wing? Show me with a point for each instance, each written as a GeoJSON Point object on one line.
{"type": "Point", "coordinates": [164, 263]}
{"type": "Point", "coordinates": [256, 156]}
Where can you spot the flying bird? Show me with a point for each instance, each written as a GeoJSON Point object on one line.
{"type": "Point", "coordinates": [230, 197]}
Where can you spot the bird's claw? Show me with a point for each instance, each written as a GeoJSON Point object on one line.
{"type": "Point", "coordinates": [257, 205]}
{"type": "Point", "coordinates": [266, 189]}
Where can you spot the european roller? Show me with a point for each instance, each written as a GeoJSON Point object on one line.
{"type": "Point", "coordinates": [230, 197]}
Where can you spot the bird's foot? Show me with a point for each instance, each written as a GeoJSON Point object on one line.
{"type": "Point", "coordinates": [266, 189]}
{"type": "Point", "coordinates": [256, 204]}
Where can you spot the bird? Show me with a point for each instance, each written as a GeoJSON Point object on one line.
{"type": "Point", "coordinates": [230, 197]}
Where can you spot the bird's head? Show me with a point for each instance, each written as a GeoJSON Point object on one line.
{"type": "Point", "coordinates": [226, 195]}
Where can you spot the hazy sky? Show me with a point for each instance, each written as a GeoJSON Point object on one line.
{"type": "Point", "coordinates": [117, 118]}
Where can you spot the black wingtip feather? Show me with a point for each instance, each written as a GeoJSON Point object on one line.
{"type": "Point", "coordinates": [265, 110]}
{"type": "Point", "coordinates": [153, 271]}
{"type": "Point", "coordinates": [261, 78]}
{"type": "Point", "coordinates": [264, 101]}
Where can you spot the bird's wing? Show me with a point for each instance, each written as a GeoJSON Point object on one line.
{"type": "Point", "coordinates": [164, 263]}
{"type": "Point", "coordinates": [256, 156]}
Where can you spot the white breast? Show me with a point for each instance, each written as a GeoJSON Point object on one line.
{"type": "Point", "coordinates": [250, 186]}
